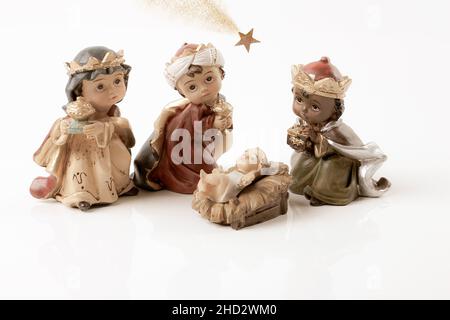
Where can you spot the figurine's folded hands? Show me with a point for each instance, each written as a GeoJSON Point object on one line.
{"type": "Point", "coordinates": [313, 135]}
{"type": "Point", "coordinates": [100, 131]}
{"type": "Point", "coordinates": [309, 132]}
{"type": "Point", "coordinates": [220, 123]}
{"type": "Point", "coordinates": [94, 129]}
{"type": "Point", "coordinates": [223, 123]}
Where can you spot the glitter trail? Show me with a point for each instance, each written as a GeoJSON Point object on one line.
{"type": "Point", "coordinates": [207, 13]}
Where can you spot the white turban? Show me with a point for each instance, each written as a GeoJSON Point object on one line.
{"type": "Point", "coordinates": [203, 56]}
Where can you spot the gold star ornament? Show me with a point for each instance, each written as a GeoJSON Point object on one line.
{"type": "Point", "coordinates": [247, 40]}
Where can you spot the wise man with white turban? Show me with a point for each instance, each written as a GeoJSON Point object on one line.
{"type": "Point", "coordinates": [331, 164]}
{"type": "Point", "coordinates": [191, 133]}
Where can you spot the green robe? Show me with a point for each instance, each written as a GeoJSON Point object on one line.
{"type": "Point", "coordinates": [339, 168]}
{"type": "Point", "coordinates": [331, 178]}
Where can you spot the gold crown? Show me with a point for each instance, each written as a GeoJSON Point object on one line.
{"type": "Point", "coordinates": [110, 60]}
{"type": "Point", "coordinates": [327, 87]}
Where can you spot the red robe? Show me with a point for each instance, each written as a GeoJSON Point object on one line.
{"type": "Point", "coordinates": [154, 169]}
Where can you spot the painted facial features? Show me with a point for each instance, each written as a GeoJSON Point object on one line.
{"type": "Point", "coordinates": [104, 91]}
{"type": "Point", "coordinates": [203, 88]}
{"type": "Point", "coordinates": [312, 108]}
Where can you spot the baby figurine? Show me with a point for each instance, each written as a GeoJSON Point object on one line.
{"type": "Point", "coordinates": [253, 191]}
{"type": "Point", "coordinates": [191, 133]}
{"type": "Point", "coordinates": [331, 165]}
{"type": "Point", "coordinates": [222, 186]}
{"type": "Point", "coordinates": [87, 153]}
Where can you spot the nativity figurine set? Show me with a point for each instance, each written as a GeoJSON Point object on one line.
{"type": "Point", "coordinates": [87, 153]}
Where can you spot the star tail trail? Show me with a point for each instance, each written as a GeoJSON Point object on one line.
{"type": "Point", "coordinates": [207, 13]}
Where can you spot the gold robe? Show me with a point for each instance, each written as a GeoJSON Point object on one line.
{"type": "Point", "coordinates": [95, 170]}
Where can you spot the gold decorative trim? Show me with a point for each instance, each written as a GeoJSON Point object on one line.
{"type": "Point", "coordinates": [327, 87]}
{"type": "Point", "coordinates": [110, 60]}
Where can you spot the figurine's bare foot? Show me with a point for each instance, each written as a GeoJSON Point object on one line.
{"type": "Point", "coordinates": [314, 202]}
{"type": "Point", "coordinates": [84, 206]}
{"type": "Point", "coordinates": [383, 183]}
{"type": "Point", "coordinates": [132, 192]}
{"type": "Point", "coordinates": [41, 187]}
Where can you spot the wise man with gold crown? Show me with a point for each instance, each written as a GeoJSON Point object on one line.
{"type": "Point", "coordinates": [87, 153]}
{"type": "Point", "coordinates": [330, 165]}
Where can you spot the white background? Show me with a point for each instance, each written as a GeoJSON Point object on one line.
{"type": "Point", "coordinates": [155, 245]}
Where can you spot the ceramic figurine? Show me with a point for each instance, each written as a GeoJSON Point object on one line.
{"type": "Point", "coordinates": [87, 153]}
{"type": "Point", "coordinates": [331, 165]}
{"type": "Point", "coordinates": [191, 133]}
{"type": "Point", "coordinates": [253, 191]}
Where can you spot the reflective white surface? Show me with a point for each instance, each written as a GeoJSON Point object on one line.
{"type": "Point", "coordinates": [154, 245]}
